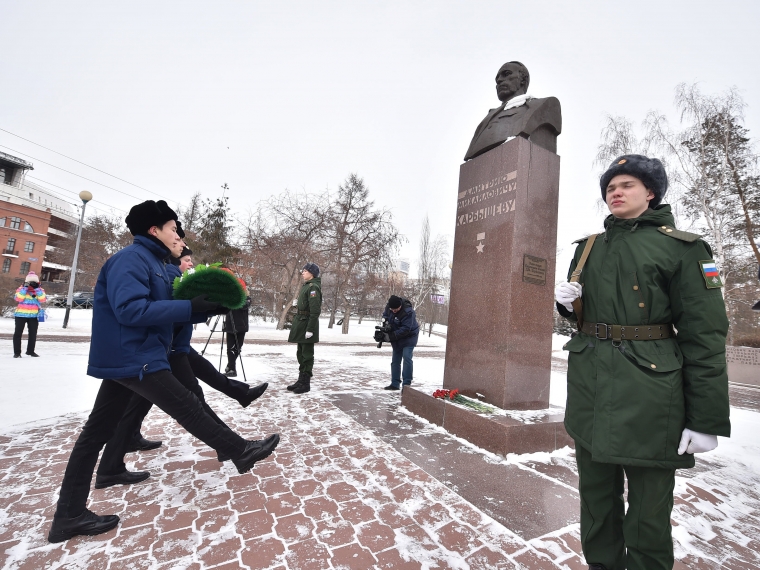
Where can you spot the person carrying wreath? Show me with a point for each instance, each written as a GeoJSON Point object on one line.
{"type": "Point", "coordinates": [305, 329]}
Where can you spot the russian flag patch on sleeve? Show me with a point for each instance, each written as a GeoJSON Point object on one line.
{"type": "Point", "coordinates": [711, 274]}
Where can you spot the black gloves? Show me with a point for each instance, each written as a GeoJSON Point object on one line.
{"type": "Point", "coordinates": [392, 336]}
{"type": "Point", "coordinates": [199, 304]}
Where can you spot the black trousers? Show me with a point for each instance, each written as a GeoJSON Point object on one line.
{"type": "Point", "coordinates": [234, 346]}
{"type": "Point", "coordinates": [164, 390]}
{"type": "Point", "coordinates": [31, 342]}
{"type": "Point", "coordinates": [112, 461]}
{"type": "Point", "coordinates": [205, 371]}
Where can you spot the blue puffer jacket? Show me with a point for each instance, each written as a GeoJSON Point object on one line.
{"type": "Point", "coordinates": [133, 313]}
{"type": "Point", "coordinates": [403, 324]}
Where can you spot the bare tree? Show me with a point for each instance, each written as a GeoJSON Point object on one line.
{"type": "Point", "coordinates": [283, 234]}
{"type": "Point", "coordinates": [432, 266]}
{"type": "Point", "coordinates": [360, 237]}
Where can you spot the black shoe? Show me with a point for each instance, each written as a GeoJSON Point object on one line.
{"type": "Point", "coordinates": [391, 387]}
{"type": "Point", "coordinates": [297, 382]}
{"type": "Point", "coordinates": [303, 385]}
{"type": "Point", "coordinates": [256, 451]}
{"type": "Point", "coordinates": [88, 523]}
{"type": "Point", "coordinates": [142, 444]}
{"type": "Point", "coordinates": [126, 478]}
{"type": "Point", "coordinates": [19, 356]}
{"type": "Point", "coordinates": [253, 394]}
{"type": "Point", "coordinates": [223, 457]}
{"type": "Point", "coordinates": [230, 372]}
{"type": "Point", "coordinates": [34, 354]}
{"type": "Point", "coordinates": [596, 567]}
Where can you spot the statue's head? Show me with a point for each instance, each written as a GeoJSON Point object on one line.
{"type": "Point", "coordinates": [512, 80]}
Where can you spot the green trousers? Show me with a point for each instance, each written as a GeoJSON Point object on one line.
{"type": "Point", "coordinates": [639, 539]}
{"type": "Point", "coordinates": [305, 356]}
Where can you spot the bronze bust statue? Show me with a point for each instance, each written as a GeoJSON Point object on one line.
{"type": "Point", "coordinates": [538, 120]}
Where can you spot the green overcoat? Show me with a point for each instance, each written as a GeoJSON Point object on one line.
{"type": "Point", "coordinates": [307, 318]}
{"type": "Point", "coordinates": [628, 404]}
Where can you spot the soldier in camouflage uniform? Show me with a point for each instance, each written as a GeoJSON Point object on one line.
{"type": "Point", "coordinates": [642, 398]}
{"type": "Point", "coordinates": [305, 329]}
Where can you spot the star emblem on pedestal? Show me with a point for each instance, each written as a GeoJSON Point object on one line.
{"type": "Point", "coordinates": [480, 247]}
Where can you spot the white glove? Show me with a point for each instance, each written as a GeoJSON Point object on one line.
{"type": "Point", "coordinates": [695, 442]}
{"type": "Point", "coordinates": [565, 293]}
{"type": "Point", "coordinates": [309, 335]}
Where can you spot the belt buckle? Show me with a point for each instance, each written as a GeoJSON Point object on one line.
{"type": "Point", "coordinates": [606, 331]}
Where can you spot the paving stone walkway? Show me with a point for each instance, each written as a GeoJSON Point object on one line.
{"type": "Point", "coordinates": [339, 492]}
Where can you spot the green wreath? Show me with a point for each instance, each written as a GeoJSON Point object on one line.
{"type": "Point", "coordinates": [219, 284]}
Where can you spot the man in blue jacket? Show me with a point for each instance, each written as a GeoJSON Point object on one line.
{"type": "Point", "coordinates": [133, 317]}
{"type": "Point", "coordinates": [402, 320]}
{"type": "Point", "coordinates": [112, 469]}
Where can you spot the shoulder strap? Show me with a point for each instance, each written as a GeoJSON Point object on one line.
{"type": "Point", "coordinates": [576, 274]}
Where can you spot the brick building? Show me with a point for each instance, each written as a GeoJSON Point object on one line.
{"type": "Point", "coordinates": [37, 228]}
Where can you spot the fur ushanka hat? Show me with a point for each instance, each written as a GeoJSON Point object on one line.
{"type": "Point", "coordinates": [144, 216]}
{"type": "Point", "coordinates": [649, 170]}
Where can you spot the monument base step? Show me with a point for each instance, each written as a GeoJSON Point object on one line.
{"type": "Point", "coordinates": [508, 431]}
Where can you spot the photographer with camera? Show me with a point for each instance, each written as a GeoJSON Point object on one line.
{"type": "Point", "coordinates": [401, 329]}
{"type": "Point", "coordinates": [28, 296]}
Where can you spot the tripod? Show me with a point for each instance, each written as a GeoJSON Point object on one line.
{"type": "Point", "coordinates": [236, 348]}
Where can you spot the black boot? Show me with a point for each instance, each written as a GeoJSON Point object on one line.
{"type": "Point", "coordinates": [230, 371]}
{"type": "Point", "coordinates": [303, 385]}
{"type": "Point", "coordinates": [297, 382]}
{"type": "Point", "coordinates": [126, 478]}
{"type": "Point", "coordinates": [253, 394]}
{"type": "Point", "coordinates": [142, 444]}
{"type": "Point", "coordinates": [256, 451]}
{"type": "Point", "coordinates": [88, 523]}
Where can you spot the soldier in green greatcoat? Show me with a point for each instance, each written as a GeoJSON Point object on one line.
{"type": "Point", "coordinates": [647, 385]}
{"type": "Point", "coordinates": [305, 329]}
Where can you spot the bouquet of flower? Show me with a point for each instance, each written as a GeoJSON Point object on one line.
{"type": "Point", "coordinates": [218, 282]}
{"type": "Point", "coordinates": [455, 396]}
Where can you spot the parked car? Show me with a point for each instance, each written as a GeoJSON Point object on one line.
{"type": "Point", "coordinates": [80, 300]}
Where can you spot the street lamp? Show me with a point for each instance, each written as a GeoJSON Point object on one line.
{"type": "Point", "coordinates": [85, 197]}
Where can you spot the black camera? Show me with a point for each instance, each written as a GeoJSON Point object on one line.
{"type": "Point", "coordinates": [381, 334]}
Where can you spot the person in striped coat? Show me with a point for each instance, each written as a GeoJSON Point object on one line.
{"type": "Point", "coordinates": [29, 297]}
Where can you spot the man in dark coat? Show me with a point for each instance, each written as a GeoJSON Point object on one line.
{"type": "Point", "coordinates": [305, 329]}
{"type": "Point", "coordinates": [402, 320]}
{"type": "Point", "coordinates": [642, 398]}
{"type": "Point", "coordinates": [133, 318]}
{"type": "Point", "coordinates": [112, 468]}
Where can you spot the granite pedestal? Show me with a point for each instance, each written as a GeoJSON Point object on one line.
{"type": "Point", "coordinates": [498, 347]}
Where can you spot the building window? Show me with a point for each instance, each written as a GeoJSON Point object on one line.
{"type": "Point", "coordinates": [2, 222]}
{"type": "Point", "coordinates": [29, 247]}
{"type": "Point", "coordinates": [6, 265]}
{"type": "Point", "coordinates": [25, 267]}
{"type": "Point", "coordinates": [15, 223]}
{"type": "Point", "coordinates": [28, 227]}
{"type": "Point", "coordinates": [11, 244]}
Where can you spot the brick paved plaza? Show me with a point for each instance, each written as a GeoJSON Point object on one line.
{"type": "Point", "coordinates": [356, 482]}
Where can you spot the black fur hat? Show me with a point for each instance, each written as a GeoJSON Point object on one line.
{"type": "Point", "coordinates": [180, 231]}
{"type": "Point", "coordinates": [394, 302]}
{"type": "Point", "coordinates": [312, 268]}
{"type": "Point", "coordinates": [649, 170]}
{"type": "Point", "coordinates": [144, 216]}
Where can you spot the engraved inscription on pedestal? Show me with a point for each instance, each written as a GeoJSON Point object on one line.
{"type": "Point", "coordinates": [534, 270]}
{"type": "Point", "coordinates": [493, 198]}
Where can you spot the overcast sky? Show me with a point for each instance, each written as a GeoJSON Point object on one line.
{"type": "Point", "coordinates": [181, 97]}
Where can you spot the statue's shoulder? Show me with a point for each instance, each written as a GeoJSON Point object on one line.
{"type": "Point", "coordinates": [545, 110]}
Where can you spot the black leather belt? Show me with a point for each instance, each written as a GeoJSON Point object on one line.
{"type": "Point", "coordinates": [603, 331]}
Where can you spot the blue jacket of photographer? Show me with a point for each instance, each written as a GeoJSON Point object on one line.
{"type": "Point", "coordinates": [404, 326]}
